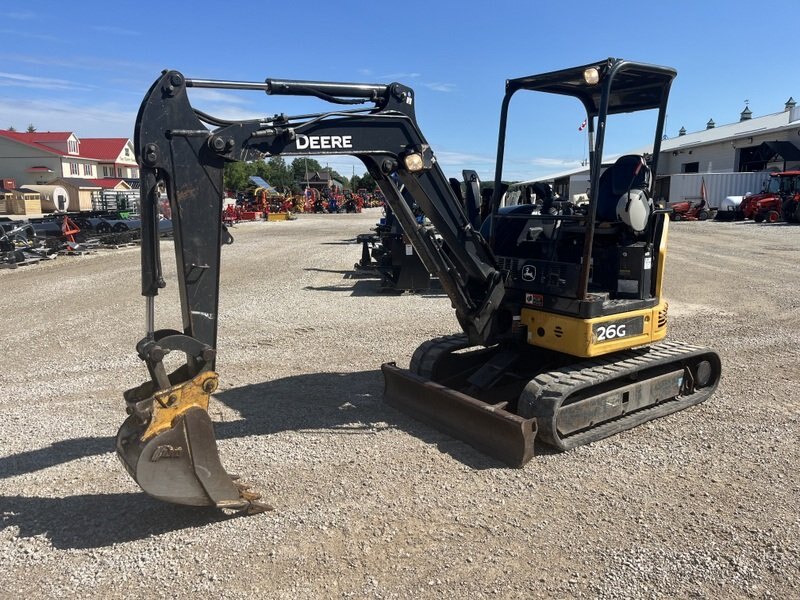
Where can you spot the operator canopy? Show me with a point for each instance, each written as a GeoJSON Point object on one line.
{"type": "Point", "coordinates": [636, 86]}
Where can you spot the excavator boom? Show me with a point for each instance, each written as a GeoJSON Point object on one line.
{"type": "Point", "coordinates": [557, 308]}
{"type": "Point", "coordinates": [167, 442]}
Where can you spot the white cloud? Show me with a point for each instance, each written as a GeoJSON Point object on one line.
{"type": "Point", "coordinates": [463, 159]}
{"type": "Point", "coordinates": [91, 63]}
{"type": "Point", "coordinates": [86, 121]}
{"type": "Point", "coordinates": [215, 96]}
{"type": "Point", "coordinates": [34, 36]}
{"type": "Point", "coordinates": [554, 162]}
{"type": "Point", "coordinates": [514, 169]}
{"type": "Point", "coordinates": [45, 83]}
{"type": "Point", "coordinates": [26, 15]}
{"type": "Point", "coordinates": [116, 30]}
{"type": "Point", "coordinates": [399, 76]}
{"type": "Point", "coordinates": [440, 87]}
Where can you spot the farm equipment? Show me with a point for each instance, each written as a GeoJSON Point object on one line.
{"type": "Point", "coordinates": [770, 203]}
{"type": "Point", "coordinates": [790, 206]}
{"type": "Point", "coordinates": [691, 210]}
{"type": "Point", "coordinates": [19, 245]}
{"type": "Point", "coordinates": [389, 253]}
{"type": "Point", "coordinates": [560, 313]}
{"type": "Point", "coordinates": [768, 209]}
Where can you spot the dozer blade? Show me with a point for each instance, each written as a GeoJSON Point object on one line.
{"type": "Point", "coordinates": [486, 427]}
{"type": "Point", "coordinates": [173, 455]}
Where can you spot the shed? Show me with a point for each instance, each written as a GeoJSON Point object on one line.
{"type": "Point", "coordinates": [54, 198]}
{"type": "Point", "coordinates": [20, 202]}
{"type": "Point", "coordinates": [81, 191]}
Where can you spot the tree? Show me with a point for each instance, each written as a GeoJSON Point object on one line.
{"type": "Point", "coordinates": [368, 183]}
{"type": "Point", "coordinates": [11, 128]}
{"type": "Point", "coordinates": [278, 175]}
{"type": "Point", "coordinates": [235, 176]}
{"type": "Point", "coordinates": [335, 175]}
{"type": "Point", "coordinates": [259, 169]}
{"type": "Point", "coordinates": [31, 128]}
{"type": "Point", "coordinates": [300, 165]}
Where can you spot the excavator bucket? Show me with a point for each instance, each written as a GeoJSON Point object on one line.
{"type": "Point", "coordinates": [487, 427]}
{"type": "Point", "coordinates": [172, 454]}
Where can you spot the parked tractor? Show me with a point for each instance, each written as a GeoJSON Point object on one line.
{"type": "Point", "coordinates": [767, 205]}
{"type": "Point", "coordinates": [689, 210]}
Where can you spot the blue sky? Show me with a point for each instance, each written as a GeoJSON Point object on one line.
{"type": "Point", "coordinates": [85, 66]}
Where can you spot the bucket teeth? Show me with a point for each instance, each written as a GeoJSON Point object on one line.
{"type": "Point", "coordinates": [249, 496]}
{"type": "Point", "coordinates": [172, 452]}
{"type": "Point", "coordinates": [256, 508]}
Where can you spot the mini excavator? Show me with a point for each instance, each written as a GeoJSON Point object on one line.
{"type": "Point", "coordinates": [560, 311]}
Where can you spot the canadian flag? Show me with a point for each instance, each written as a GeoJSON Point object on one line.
{"type": "Point", "coordinates": [583, 126]}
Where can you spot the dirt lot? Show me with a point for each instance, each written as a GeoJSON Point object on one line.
{"type": "Point", "coordinates": [368, 502]}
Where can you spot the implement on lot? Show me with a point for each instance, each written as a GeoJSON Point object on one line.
{"type": "Point", "coordinates": [559, 309]}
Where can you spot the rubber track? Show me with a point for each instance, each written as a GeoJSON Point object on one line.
{"type": "Point", "coordinates": [544, 394]}
{"type": "Point", "coordinates": [426, 355]}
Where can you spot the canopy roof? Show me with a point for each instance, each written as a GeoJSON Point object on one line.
{"type": "Point", "coordinates": [635, 86]}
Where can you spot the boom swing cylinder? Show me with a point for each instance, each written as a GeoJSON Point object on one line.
{"type": "Point", "coordinates": [532, 313]}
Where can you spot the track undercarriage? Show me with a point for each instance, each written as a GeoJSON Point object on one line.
{"type": "Point", "coordinates": [500, 399]}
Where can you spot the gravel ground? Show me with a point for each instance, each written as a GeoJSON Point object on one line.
{"type": "Point", "coordinates": [369, 503]}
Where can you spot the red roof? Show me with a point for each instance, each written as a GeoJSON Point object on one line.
{"type": "Point", "coordinates": [46, 136]}
{"type": "Point", "coordinates": [37, 139]}
{"type": "Point", "coordinates": [105, 149]}
{"type": "Point", "coordinates": [102, 149]}
{"type": "Point", "coordinates": [107, 183]}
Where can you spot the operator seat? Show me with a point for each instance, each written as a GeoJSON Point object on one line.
{"type": "Point", "coordinates": [622, 193]}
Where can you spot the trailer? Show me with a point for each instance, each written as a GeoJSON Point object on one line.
{"type": "Point", "coordinates": [718, 186]}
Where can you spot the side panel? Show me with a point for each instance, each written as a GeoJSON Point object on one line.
{"type": "Point", "coordinates": [661, 263]}
{"type": "Point", "coordinates": [586, 338]}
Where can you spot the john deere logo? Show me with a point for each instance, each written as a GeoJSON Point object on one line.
{"type": "Point", "coordinates": [323, 142]}
{"type": "Point", "coordinates": [528, 273]}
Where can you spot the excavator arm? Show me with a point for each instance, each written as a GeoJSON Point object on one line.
{"type": "Point", "coordinates": [556, 343]}
{"type": "Point", "coordinates": [167, 443]}
{"type": "Point", "coordinates": [179, 154]}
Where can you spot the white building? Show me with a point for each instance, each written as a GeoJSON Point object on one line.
{"type": "Point", "coordinates": [44, 158]}
{"type": "Point", "coordinates": [730, 159]}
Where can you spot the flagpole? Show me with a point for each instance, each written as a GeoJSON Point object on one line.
{"type": "Point", "coordinates": [581, 127]}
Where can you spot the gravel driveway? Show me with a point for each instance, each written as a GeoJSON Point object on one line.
{"type": "Point", "coordinates": [368, 502]}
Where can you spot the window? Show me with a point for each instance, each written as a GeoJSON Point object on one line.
{"type": "Point", "coordinates": [692, 167]}
{"type": "Point", "coordinates": [72, 146]}
{"type": "Point", "coordinates": [74, 168]}
{"type": "Point", "coordinates": [119, 172]}
{"type": "Point", "coordinates": [134, 173]}
{"type": "Point", "coordinates": [87, 169]}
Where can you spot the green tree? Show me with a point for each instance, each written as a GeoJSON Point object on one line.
{"type": "Point", "coordinates": [278, 174]}
{"type": "Point", "coordinates": [31, 128]}
{"type": "Point", "coordinates": [299, 167]}
{"type": "Point", "coordinates": [368, 183]}
{"type": "Point", "coordinates": [235, 176]}
{"type": "Point", "coordinates": [259, 168]}
{"type": "Point", "coordinates": [11, 128]}
{"type": "Point", "coordinates": [336, 175]}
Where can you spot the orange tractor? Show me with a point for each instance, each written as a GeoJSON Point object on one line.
{"type": "Point", "coordinates": [689, 210]}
